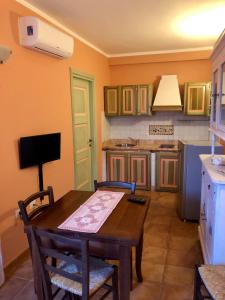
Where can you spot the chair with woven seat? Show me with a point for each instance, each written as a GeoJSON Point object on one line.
{"type": "Point", "coordinates": [209, 282]}
{"type": "Point", "coordinates": [27, 214]}
{"type": "Point", "coordinates": [77, 274]}
{"type": "Point", "coordinates": [112, 252]}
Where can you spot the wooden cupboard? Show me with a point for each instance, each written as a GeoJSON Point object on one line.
{"type": "Point", "coordinates": [197, 98]}
{"type": "Point", "coordinates": [217, 120]}
{"type": "Point", "coordinates": [129, 166]}
{"type": "Point", "coordinates": [128, 100]}
{"type": "Point", "coordinates": [111, 100]}
{"type": "Point", "coordinates": [212, 221]}
{"type": "Point", "coordinates": [168, 171]}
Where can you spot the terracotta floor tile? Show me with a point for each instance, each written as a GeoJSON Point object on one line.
{"type": "Point", "coordinates": [184, 258]}
{"type": "Point", "coordinates": [152, 272]}
{"type": "Point", "coordinates": [25, 271]}
{"type": "Point", "coordinates": [174, 292]}
{"type": "Point", "coordinates": [174, 275]}
{"type": "Point", "coordinates": [154, 255]}
{"type": "Point", "coordinates": [157, 228]}
{"type": "Point", "coordinates": [180, 243]}
{"type": "Point", "coordinates": [183, 229]}
{"type": "Point", "coordinates": [146, 291]}
{"type": "Point", "coordinates": [161, 220]}
{"type": "Point", "coordinates": [27, 293]}
{"type": "Point", "coordinates": [12, 287]}
{"type": "Point", "coordinates": [160, 240]}
{"type": "Point", "coordinates": [157, 209]}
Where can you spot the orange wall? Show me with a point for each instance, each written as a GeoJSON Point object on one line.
{"type": "Point", "coordinates": [35, 99]}
{"type": "Point", "coordinates": [148, 69]}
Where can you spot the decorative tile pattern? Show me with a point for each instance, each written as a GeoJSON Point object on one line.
{"type": "Point", "coordinates": [161, 129]}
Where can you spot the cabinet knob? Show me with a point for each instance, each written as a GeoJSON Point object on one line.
{"type": "Point", "coordinates": [203, 172]}
{"type": "Point", "coordinates": [209, 186]}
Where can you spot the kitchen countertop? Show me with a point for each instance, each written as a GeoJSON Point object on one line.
{"type": "Point", "coordinates": [144, 145]}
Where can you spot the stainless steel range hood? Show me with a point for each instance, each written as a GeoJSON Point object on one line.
{"type": "Point", "coordinates": [168, 95]}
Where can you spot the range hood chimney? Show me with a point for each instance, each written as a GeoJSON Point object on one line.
{"type": "Point", "coordinates": [168, 95]}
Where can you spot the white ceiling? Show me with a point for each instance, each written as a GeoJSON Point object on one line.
{"type": "Point", "coordinates": [119, 27]}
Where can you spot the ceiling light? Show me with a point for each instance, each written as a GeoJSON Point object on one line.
{"type": "Point", "coordinates": [203, 24]}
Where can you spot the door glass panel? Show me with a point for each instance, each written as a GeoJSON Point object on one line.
{"type": "Point", "coordinates": [222, 96]}
{"type": "Point", "coordinates": [214, 95]}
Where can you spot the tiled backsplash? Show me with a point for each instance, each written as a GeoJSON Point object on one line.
{"type": "Point", "coordinates": [187, 128]}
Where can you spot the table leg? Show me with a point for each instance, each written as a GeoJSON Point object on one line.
{"type": "Point", "coordinates": [139, 248]}
{"type": "Point", "coordinates": [124, 274]}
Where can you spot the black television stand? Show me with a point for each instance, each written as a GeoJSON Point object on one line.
{"type": "Point", "coordinates": [40, 176]}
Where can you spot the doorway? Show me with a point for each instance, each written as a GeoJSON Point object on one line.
{"type": "Point", "coordinates": [84, 130]}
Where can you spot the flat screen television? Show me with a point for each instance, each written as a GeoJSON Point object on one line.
{"type": "Point", "coordinates": [39, 149]}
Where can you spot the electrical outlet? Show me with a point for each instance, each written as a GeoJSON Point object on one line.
{"type": "Point", "coordinates": [17, 213]}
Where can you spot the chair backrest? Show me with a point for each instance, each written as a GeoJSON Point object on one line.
{"type": "Point", "coordinates": [45, 245]}
{"type": "Point", "coordinates": [117, 184]}
{"type": "Point", "coordinates": [24, 205]}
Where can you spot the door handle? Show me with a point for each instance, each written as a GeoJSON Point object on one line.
{"type": "Point", "coordinates": [90, 142]}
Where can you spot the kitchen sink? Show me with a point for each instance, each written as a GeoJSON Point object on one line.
{"type": "Point", "coordinates": [127, 145]}
{"type": "Point", "coordinates": [170, 146]}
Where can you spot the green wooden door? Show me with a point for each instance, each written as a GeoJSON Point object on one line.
{"type": "Point", "coordinates": [81, 134]}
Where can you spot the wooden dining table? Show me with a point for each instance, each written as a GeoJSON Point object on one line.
{"type": "Point", "coordinates": [123, 227]}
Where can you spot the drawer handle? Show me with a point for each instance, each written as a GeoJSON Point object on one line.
{"type": "Point", "coordinates": [208, 186]}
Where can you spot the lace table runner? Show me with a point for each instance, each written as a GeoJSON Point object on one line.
{"type": "Point", "coordinates": [91, 215]}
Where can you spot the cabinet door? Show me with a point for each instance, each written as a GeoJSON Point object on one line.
{"type": "Point", "coordinates": [197, 98]}
{"type": "Point", "coordinates": [117, 166]}
{"type": "Point", "coordinates": [140, 169]}
{"type": "Point", "coordinates": [111, 98]}
{"type": "Point", "coordinates": [168, 171]}
{"type": "Point", "coordinates": [144, 101]}
{"type": "Point", "coordinates": [222, 99]}
{"type": "Point", "coordinates": [128, 100]}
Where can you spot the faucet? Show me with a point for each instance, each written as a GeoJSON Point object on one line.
{"type": "Point", "coordinates": [133, 140]}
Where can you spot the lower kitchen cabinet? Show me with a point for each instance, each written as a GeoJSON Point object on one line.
{"type": "Point", "coordinates": [168, 171]}
{"type": "Point", "coordinates": [117, 166]}
{"type": "Point", "coordinates": [129, 166]}
{"type": "Point", "coordinates": [140, 169]}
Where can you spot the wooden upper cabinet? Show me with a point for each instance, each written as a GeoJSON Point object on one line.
{"type": "Point", "coordinates": [144, 101]}
{"type": "Point", "coordinates": [197, 98]}
{"type": "Point", "coordinates": [128, 100]}
{"type": "Point", "coordinates": [111, 98]}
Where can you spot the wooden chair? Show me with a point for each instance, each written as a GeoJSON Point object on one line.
{"type": "Point", "coordinates": [116, 184]}
{"type": "Point", "coordinates": [78, 274]}
{"type": "Point", "coordinates": [112, 252]}
{"type": "Point", "coordinates": [209, 282]}
{"type": "Point", "coordinates": [27, 214]}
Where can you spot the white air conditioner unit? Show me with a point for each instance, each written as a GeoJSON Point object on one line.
{"type": "Point", "coordinates": [40, 36]}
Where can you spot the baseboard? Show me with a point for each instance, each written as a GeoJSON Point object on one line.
{"type": "Point", "coordinates": [13, 265]}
